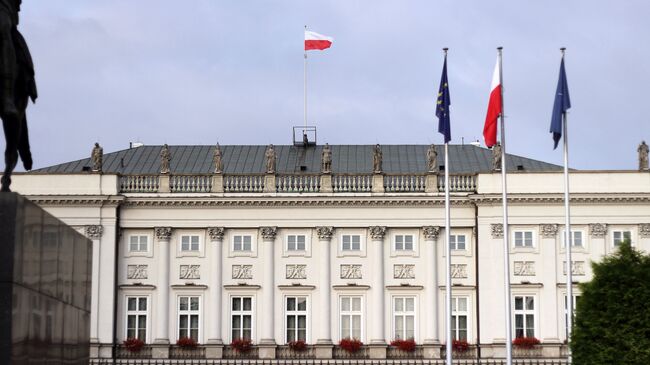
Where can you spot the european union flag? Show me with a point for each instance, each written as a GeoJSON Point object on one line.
{"type": "Point", "coordinates": [561, 105]}
{"type": "Point", "coordinates": [443, 103]}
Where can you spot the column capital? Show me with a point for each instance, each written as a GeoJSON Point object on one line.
{"type": "Point", "coordinates": [163, 233]}
{"type": "Point", "coordinates": [216, 233]}
{"type": "Point", "coordinates": [598, 230]}
{"type": "Point", "coordinates": [269, 233]}
{"type": "Point", "coordinates": [644, 230]}
{"type": "Point", "coordinates": [431, 232]}
{"type": "Point", "coordinates": [94, 232]}
{"type": "Point", "coordinates": [325, 233]}
{"type": "Point", "coordinates": [497, 230]}
{"type": "Point", "coordinates": [548, 230]}
{"type": "Point", "coordinates": [377, 232]}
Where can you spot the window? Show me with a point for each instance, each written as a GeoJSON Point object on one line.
{"type": "Point", "coordinates": [524, 316]}
{"type": "Point", "coordinates": [138, 243]}
{"type": "Point", "coordinates": [523, 238]}
{"type": "Point", "coordinates": [296, 318]}
{"type": "Point", "coordinates": [457, 242]}
{"type": "Point", "coordinates": [403, 242]}
{"type": "Point", "coordinates": [351, 242]}
{"type": "Point", "coordinates": [459, 316]}
{"type": "Point", "coordinates": [189, 243]}
{"type": "Point", "coordinates": [620, 236]}
{"type": "Point", "coordinates": [295, 242]}
{"type": "Point", "coordinates": [241, 243]}
{"type": "Point", "coordinates": [566, 319]}
{"type": "Point", "coordinates": [241, 318]}
{"type": "Point", "coordinates": [136, 317]}
{"type": "Point", "coordinates": [404, 317]}
{"type": "Point", "coordinates": [188, 317]}
{"type": "Point", "coordinates": [351, 316]}
{"type": "Point", "coordinates": [576, 239]}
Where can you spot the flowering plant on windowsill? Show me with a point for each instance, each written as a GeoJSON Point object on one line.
{"type": "Point", "coordinates": [241, 344]}
{"type": "Point", "coordinates": [525, 342]}
{"type": "Point", "coordinates": [404, 345]}
{"type": "Point", "coordinates": [297, 345]}
{"type": "Point", "coordinates": [351, 345]}
{"type": "Point", "coordinates": [133, 344]}
{"type": "Point", "coordinates": [186, 342]}
{"type": "Point", "coordinates": [459, 345]}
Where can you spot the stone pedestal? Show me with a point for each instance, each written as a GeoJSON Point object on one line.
{"type": "Point", "coordinates": [214, 351]}
{"type": "Point", "coordinates": [326, 183]}
{"type": "Point", "coordinates": [266, 351]}
{"type": "Point", "coordinates": [269, 183]}
{"type": "Point", "coordinates": [377, 183]}
{"type": "Point", "coordinates": [163, 184]}
{"type": "Point", "coordinates": [431, 183]}
{"type": "Point", "coordinates": [431, 351]}
{"type": "Point", "coordinates": [159, 351]}
{"type": "Point", "coordinates": [217, 183]}
{"type": "Point", "coordinates": [377, 351]}
{"type": "Point", "coordinates": [323, 351]}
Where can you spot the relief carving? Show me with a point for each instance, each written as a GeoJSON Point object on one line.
{"type": "Point", "coordinates": [94, 232]}
{"type": "Point", "coordinates": [163, 233]}
{"type": "Point", "coordinates": [350, 271]}
{"type": "Point", "coordinates": [524, 268]}
{"type": "Point", "coordinates": [269, 233]}
{"type": "Point", "coordinates": [597, 230]}
{"type": "Point", "coordinates": [431, 232]}
{"type": "Point", "coordinates": [577, 268]}
{"type": "Point", "coordinates": [497, 230]}
{"type": "Point", "coordinates": [136, 272]}
{"type": "Point", "coordinates": [325, 233]}
{"type": "Point", "coordinates": [459, 271]}
{"type": "Point", "coordinates": [296, 272]}
{"type": "Point", "coordinates": [548, 230]}
{"type": "Point", "coordinates": [404, 271]}
{"type": "Point", "coordinates": [190, 272]}
{"type": "Point", "coordinates": [377, 232]}
{"type": "Point", "coordinates": [242, 271]}
{"type": "Point", "coordinates": [644, 230]}
{"type": "Point", "coordinates": [216, 233]}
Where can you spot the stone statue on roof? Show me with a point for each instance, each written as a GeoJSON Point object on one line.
{"type": "Point", "coordinates": [643, 156]}
{"type": "Point", "coordinates": [97, 157]}
{"type": "Point", "coordinates": [496, 157]}
{"type": "Point", "coordinates": [165, 157]}
{"type": "Point", "coordinates": [326, 159]}
{"type": "Point", "coordinates": [217, 159]}
{"type": "Point", "coordinates": [270, 159]}
{"type": "Point", "coordinates": [432, 158]}
{"type": "Point", "coordinates": [377, 159]}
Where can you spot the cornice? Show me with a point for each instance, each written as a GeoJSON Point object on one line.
{"type": "Point", "coordinates": [77, 200]}
{"type": "Point", "coordinates": [640, 198]}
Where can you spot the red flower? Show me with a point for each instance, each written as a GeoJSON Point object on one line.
{"type": "Point", "coordinates": [525, 342]}
{"type": "Point", "coordinates": [298, 345]}
{"type": "Point", "coordinates": [186, 342]}
{"type": "Point", "coordinates": [351, 345]}
{"type": "Point", "coordinates": [241, 344]}
{"type": "Point", "coordinates": [460, 345]}
{"type": "Point", "coordinates": [133, 344]}
{"type": "Point", "coordinates": [404, 345]}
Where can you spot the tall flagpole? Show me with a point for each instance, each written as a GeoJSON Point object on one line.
{"type": "Point", "coordinates": [304, 131]}
{"type": "Point", "coordinates": [448, 249]}
{"type": "Point", "coordinates": [506, 246]}
{"type": "Point", "coordinates": [568, 238]}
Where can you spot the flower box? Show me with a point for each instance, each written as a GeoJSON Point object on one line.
{"type": "Point", "coordinates": [404, 345]}
{"type": "Point", "coordinates": [351, 345]}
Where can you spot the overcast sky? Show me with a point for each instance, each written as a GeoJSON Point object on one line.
{"type": "Point", "coordinates": [202, 72]}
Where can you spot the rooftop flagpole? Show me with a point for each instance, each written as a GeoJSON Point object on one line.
{"type": "Point", "coordinates": [304, 131]}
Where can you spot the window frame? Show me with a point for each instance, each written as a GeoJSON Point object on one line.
{"type": "Point", "coordinates": [243, 233]}
{"type": "Point", "coordinates": [139, 236]}
{"type": "Point", "coordinates": [525, 312]}
{"type": "Point", "coordinates": [582, 232]}
{"type": "Point", "coordinates": [576, 296]}
{"type": "Point", "coordinates": [361, 252]}
{"type": "Point", "coordinates": [137, 313]}
{"type": "Point", "coordinates": [351, 313]}
{"type": "Point", "coordinates": [127, 243]}
{"type": "Point", "coordinates": [190, 250]}
{"type": "Point", "coordinates": [305, 252]}
{"type": "Point", "coordinates": [622, 231]}
{"type": "Point", "coordinates": [404, 314]}
{"type": "Point", "coordinates": [457, 313]}
{"type": "Point", "coordinates": [533, 233]}
{"type": "Point", "coordinates": [241, 313]}
{"type": "Point", "coordinates": [296, 313]}
{"type": "Point", "coordinates": [189, 312]}
{"type": "Point", "coordinates": [454, 248]}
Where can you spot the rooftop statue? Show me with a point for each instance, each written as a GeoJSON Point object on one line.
{"type": "Point", "coordinates": [165, 157]}
{"type": "Point", "coordinates": [217, 159]}
{"type": "Point", "coordinates": [326, 159]}
{"type": "Point", "coordinates": [496, 157]}
{"type": "Point", "coordinates": [270, 159]}
{"type": "Point", "coordinates": [377, 159]}
{"type": "Point", "coordinates": [432, 159]}
{"type": "Point", "coordinates": [643, 156]}
{"type": "Point", "coordinates": [97, 157]}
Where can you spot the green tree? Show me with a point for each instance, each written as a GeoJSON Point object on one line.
{"type": "Point", "coordinates": [612, 323]}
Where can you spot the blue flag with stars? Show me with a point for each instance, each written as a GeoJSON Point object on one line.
{"type": "Point", "coordinates": [442, 105]}
{"type": "Point", "coordinates": [561, 105]}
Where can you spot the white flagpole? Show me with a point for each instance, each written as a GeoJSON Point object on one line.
{"type": "Point", "coordinates": [447, 239]}
{"type": "Point", "coordinates": [305, 88]}
{"type": "Point", "coordinates": [568, 238]}
{"type": "Point", "coordinates": [506, 245]}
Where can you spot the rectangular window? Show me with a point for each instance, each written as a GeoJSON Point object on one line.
{"type": "Point", "coordinates": [576, 239]}
{"type": "Point", "coordinates": [566, 319]}
{"type": "Point", "coordinates": [241, 318]}
{"type": "Point", "coordinates": [457, 242]}
{"type": "Point", "coordinates": [189, 243]}
{"type": "Point", "coordinates": [296, 318]}
{"type": "Point", "coordinates": [620, 236]}
{"type": "Point", "coordinates": [351, 317]}
{"type": "Point", "coordinates": [296, 242]}
{"type": "Point", "coordinates": [188, 317]}
{"type": "Point", "coordinates": [241, 243]}
{"type": "Point", "coordinates": [351, 242]}
{"type": "Point", "coordinates": [404, 317]}
{"type": "Point", "coordinates": [403, 242]}
{"type": "Point", "coordinates": [524, 316]}
{"type": "Point", "coordinates": [459, 316]}
{"type": "Point", "coordinates": [138, 243]}
{"type": "Point", "coordinates": [524, 239]}
{"type": "Point", "coordinates": [136, 318]}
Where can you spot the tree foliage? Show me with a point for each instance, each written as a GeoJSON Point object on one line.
{"type": "Point", "coordinates": [612, 323]}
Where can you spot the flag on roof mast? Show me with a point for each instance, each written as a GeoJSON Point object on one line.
{"type": "Point", "coordinates": [443, 103]}
{"type": "Point", "coordinates": [561, 105]}
{"type": "Point", "coordinates": [317, 41]}
{"type": "Point", "coordinates": [494, 108]}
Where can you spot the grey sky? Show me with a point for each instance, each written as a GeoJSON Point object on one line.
{"type": "Point", "coordinates": [198, 72]}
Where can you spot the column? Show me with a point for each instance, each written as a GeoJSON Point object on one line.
{"type": "Point", "coordinates": [547, 270]}
{"type": "Point", "coordinates": [214, 348]}
{"type": "Point", "coordinates": [377, 312]}
{"type": "Point", "coordinates": [324, 334]}
{"type": "Point", "coordinates": [95, 234]}
{"type": "Point", "coordinates": [598, 233]}
{"type": "Point", "coordinates": [267, 342]}
{"type": "Point", "coordinates": [161, 324]}
{"type": "Point", "coordinates": [431, 340]}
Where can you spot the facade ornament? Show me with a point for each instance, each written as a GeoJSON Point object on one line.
{"type": "Point", "coordinates": [403, 271]}
{"type": "Point", "coordinates": [325, 233]}
{"type": "Point", "coordinates": [136, 272]}
{"type": "Point", "coordinates": [548, 230]}
{"type": "Point", "coordinates": [524, 268]}
{"type": "Point", "coordinates": [377, 232]}
{"type": "Point", "coordinates": [497, 230]}
{"type": "Point", "coordinates": [431, 232]}
{"type": "Point", "coordinates": [377, 157]}
{"type": "Point", "coordinates": [216, 233]}
{"type": "Point", "coordinates": [326, 159]}
{"type": "Point", "coordinates": [97, 157]}
{"type": "Point", "coordinates": [296, 272]}
{"type": "Point", "coordinates": [577, 268]}
{"type": "Point", "coordinates": [459, 271]}
{"type": "Point", "coordinates": [271, 158]}
{"type": "Point", "coordinates": [94, 232]}
{"type": "Point", "coordinates": [597, 230]}
{"type": "Point", "coordinates": [644, 230]}
{"type": "Point", "coordinates": [165, 157]}
{"type": "Point", "coordinates": [163, 233]}
{"type": "Point", "coordinates": [643, 156]}
{"type": "Point", "coordinates": [432, 158]}
{"type": "Point", "coordinates": [218, 160]}
{"type": "Point", "coordinates": [269, 233]}
{"type": "Point", "coordinates": [351, 272]}
{"type": "Point", "coordinates": [496, 157]}
{"type": "Point", "coordinates": [242, 271]}
{"type": "Point", "coordinates": [190, 272]}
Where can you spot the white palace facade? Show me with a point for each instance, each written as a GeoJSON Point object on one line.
{"type": "Point", "coordinates": [225, 247]}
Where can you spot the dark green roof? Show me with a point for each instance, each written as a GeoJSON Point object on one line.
{"type": "Point", "coordinates": [242, 159]}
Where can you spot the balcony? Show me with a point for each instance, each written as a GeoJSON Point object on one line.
{"type": "Point", "coordinates": [177, 352]}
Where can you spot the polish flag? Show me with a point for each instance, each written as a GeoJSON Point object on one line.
{"type": "Point", "coordinates": [317, 41]}
{"type": "Point", "coordinates": [494, 109]}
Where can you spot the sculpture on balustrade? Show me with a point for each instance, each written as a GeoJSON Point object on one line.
{"type": "Point", "coordinates": [326, 159]}
{"type": "Point", "coordinates": [496, 157]}
{"type": "Point", "coordinates": [643, 156]}
{"type": "Point", "coordinates": [270, 159]}
{"type": "Point", "coordinates": [432, 159]}
{"type": "Point", "coordinates": [165, 157]}
{"type": "Point", "coordinates": [217, 159]}
{"type": "Point", "coordinates": [97, 157]}
{"type": "Point", "coordinates": [377, 159]}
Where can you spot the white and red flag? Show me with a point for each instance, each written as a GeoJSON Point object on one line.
{"type": "Point", "coordinates": [495, 108]}
{"type": "Point", "coordinates": [317, 41]}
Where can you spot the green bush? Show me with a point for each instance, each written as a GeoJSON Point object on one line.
{"type": "Point", "coordinates": [612, 323]}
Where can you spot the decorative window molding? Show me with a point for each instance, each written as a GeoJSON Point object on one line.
{"type": "Point", "coordinates": [137, 243]}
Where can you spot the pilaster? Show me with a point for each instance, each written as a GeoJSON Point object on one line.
{"type": "Point", "coordinates": [431, 340]}
{"type": "Point", "coordinates": [377, 313]}
{"type": "Point", "coordinates": [94, 232]}
{"type": "Point", "coordinates": [161, 324]}
{"type": "Point", "coordinates": [214, 346]}
{"type": "Point", "coordinates": [324, 334]}
{"type": "Point", "coordinates": [267, 342]}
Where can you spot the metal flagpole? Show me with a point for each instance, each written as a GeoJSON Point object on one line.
{"type": "Point", "coordinates": [568, 238]}
{"type": "Point", "coordinates": [506, 246]}
{"type": "Point", "coordinates": [448, 253]}
{"type": "Point", "coordinates": [304, 131]}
